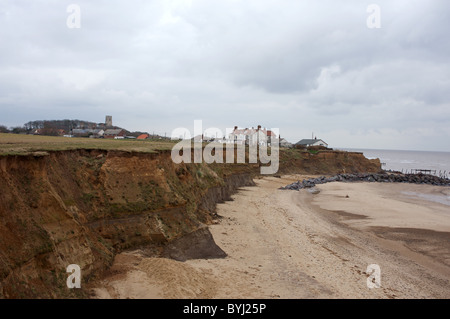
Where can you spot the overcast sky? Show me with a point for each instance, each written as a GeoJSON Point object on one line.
{"type": "Point", "coordinates": [300, 66]}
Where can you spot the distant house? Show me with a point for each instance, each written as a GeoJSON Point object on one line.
{"type": "Point", "coordinates": [77, 132]}
{"type": "Point", "coordinates": [201, 138]}
{"type": "Point", "coordinates": [98, 133]}
{"type": "Point", "coordinates": [285, 143]}
{"type": "Point", "coordinates": [311, 142]}
{"type": "Point", "coordinates": [143, 136]}
{"type": "Point", "coordinates": [271, 137]}
{"type": "Point", "coordinates": [49, 131]}
{"type": "Point", "coordinates": [113, 133]}
{"type": "Point", "coordinates": [87, 132]}
{"type": "Point", "coordinates": [252, 136]}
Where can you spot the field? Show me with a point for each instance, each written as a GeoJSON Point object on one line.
{"type": "Point", "coordinates": [18, 144]}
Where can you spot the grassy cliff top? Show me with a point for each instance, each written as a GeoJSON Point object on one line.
{"type": "Point", "coordinates": [18, 144]}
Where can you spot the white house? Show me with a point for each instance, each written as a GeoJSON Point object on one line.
{"type": "Point", "coordinates": [251, 136]}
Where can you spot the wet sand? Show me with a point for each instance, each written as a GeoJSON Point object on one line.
{"type": "Point", "coordinates": [294, 244]}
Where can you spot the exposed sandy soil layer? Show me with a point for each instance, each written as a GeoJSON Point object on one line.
{"type": "Point", "coordinates": [60, 207]}
{"type": "Point", "coordinates": [295, 244]}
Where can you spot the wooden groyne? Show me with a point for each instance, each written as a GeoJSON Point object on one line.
{"type": "Point", "coordinates": [440, 173]}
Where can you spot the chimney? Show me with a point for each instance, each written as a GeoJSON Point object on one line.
{"type": "Point", "coordinates": [259, 127]}
{"type": "Point", "coordinates": [235, 128]}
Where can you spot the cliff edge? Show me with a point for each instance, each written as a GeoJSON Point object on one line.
{"type": "Point", "coordinates": [84, 206]}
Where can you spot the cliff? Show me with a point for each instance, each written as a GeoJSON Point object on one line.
{"type": "Point", "coordinates": [84, 206]}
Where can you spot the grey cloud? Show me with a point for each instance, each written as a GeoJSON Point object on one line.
{"type": "Point", "coordinates": [296, 65]}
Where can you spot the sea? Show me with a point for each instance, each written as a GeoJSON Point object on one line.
{"type": "Point", "coordinates": [410, 161]}
{"type": "Point", "coordinates": [438, 163]}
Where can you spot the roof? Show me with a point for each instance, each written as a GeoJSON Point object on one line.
{"type": "Point", "coordinates": [308, 141]}
{"type": "Point", "coordinates": [79, 131]}
{"type": "Point", "coordinates": [251, 131]}
{"type": "Point", "coordinates": [113, 131]}
{"type": "Point", "coordinates": [143, 136]}
{"type": "Point", "coordinates": [245, 131]}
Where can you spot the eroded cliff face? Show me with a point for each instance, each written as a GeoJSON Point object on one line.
{"type": "Point", "coordinates": [84, 206]}
{"type": "Point", "coordinates": [327, 162]}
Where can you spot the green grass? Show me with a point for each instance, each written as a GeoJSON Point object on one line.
{"type": "Point", "coordinates": [18, 144]}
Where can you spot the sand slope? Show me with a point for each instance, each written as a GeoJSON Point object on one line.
{"type": "Point", "coordinates": [289, 244]}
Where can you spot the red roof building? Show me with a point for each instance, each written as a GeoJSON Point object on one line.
{"type": "Point", "coordinates": [143, 136]}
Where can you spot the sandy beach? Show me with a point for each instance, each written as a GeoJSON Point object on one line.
{"type": "Point", "coordinates": [295, 244]}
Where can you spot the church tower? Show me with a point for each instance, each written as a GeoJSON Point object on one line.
{"type": "Point", "coordinates": [108, 121]}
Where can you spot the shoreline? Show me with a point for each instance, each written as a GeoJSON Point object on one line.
{"type": "Point", "coordinates": [289, 244]}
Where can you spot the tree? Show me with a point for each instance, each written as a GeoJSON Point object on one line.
{"type": "Point", "coordinates": [18, 130]}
